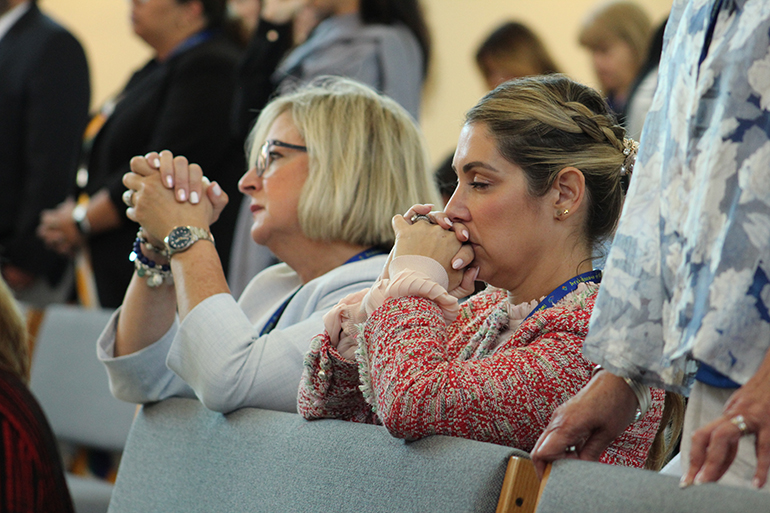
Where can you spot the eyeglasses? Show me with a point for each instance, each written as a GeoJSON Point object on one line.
{"type": "Point", "coordinates": [263, 161]}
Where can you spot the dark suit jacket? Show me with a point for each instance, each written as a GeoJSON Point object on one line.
{"type": "Point", "coordinates": [44, 96]}
{"type": "Point", "coordinates": [182, 104]}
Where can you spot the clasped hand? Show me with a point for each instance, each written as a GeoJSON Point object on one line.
{"type": "Point", "coordinates": [168, 192]}
{"type": "Point", "coordinates": [442, 240]}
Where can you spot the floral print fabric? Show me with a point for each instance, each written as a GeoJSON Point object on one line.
{"type": "Point", "coordinates": [687, 277]}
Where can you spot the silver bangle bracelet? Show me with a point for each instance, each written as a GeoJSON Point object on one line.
{"type": "Point", "coordinates": [643, 397]}
{"type": "Point", "coordinates": [641, 392]}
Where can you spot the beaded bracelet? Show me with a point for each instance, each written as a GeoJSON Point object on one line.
{"type": "Point", "coordinates": [154, 272]}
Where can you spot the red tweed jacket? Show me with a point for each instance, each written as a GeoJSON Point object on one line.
{"type": "Point", "coordinates": [420, 377]}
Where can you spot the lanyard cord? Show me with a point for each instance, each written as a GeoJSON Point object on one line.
{"type": "Point", "coordinates": [273, 321]}
{"type": "Point", "coordinates": [565, 288]}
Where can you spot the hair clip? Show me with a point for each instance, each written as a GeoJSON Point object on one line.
{"type": "Point", "coordinates": [630, 150]}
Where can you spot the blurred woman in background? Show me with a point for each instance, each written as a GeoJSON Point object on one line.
{"type": "Point", "coordinates": [180, 101]}
{"type": "Point", "coordinates": [618, 35]}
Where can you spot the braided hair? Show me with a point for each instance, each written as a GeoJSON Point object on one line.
{"type": "Point", "coordinates": [546, 123]}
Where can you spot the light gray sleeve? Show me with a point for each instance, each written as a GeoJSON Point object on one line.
{"type": "Point", "coordinates": [143, 376]}
{"type": "Point", "coordinates": [229, 365]}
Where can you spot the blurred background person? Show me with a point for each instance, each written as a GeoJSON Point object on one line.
{"type": "Point", "coordinates": [180, 100]}
{"type": "Point", "coordinates": [618, 36]}
{"type": "Point", "coordinates": [245, 14]}
{"type": "Point", "coordinates": [31, 470]}
{"type": "Point", "coordinates": [382, 43]}
{"type": "Point", "coordinates": [44, 98]}
{"type": "Point", "coordinates": [512, 50]}
{"type": "Point", "coordinates": [643, 88]}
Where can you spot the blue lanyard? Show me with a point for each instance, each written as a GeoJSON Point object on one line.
{"type": "Point", "coordinates": [565, 288]}
{"type": "Point", "coordinates": [273, 321]}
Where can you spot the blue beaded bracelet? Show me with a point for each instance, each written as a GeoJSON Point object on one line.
{"type": "Point", "coordinates": [154, 272]}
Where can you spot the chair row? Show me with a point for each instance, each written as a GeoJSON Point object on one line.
{"type": "Point", "coordinates": [181, 457]}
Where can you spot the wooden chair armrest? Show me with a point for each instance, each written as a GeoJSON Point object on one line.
{"type": "Point", "coordinates": [521, 488]}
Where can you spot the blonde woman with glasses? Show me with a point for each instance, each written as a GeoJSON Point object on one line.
{"type": "Point", "coordinates": [330, 165]}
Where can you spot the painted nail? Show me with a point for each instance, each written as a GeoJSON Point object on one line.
{"type": "Point", "coordinates": [217, 189]}
{"type": "Point", "coordinates": [467, 235]}
{"type": "Point", "coordinates": [169, 181]}
{"type": "Point", "coordinates": [755, 483]}
{"type": "Point", "coordinates": [181, 195]}
{"type": "Point", "coordinates": [698, 480]}
{"type": "Point", "coordinates": [156, 163]}
{"type": "Point", "coordinates": [457, 264]}
{"type": "Point", "coordinates": [194, 197]}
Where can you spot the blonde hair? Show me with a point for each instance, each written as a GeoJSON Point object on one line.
{"type": "Point", "coordinates": [546, 123]}
{"type": "Point", "coordinates": [366, 160]}
{"type": "Point", "coordinates": [622, 20]}
{"type": "Point", "coordinates": [14, 354]}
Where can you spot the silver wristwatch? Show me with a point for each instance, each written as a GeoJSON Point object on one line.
{"type": "Point", "coordinates": [182, 237]}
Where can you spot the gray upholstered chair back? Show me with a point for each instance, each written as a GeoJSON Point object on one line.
{"type": "Point", "coordinates": [72, 387]}
{"type": "Point", "coordinates": [586, 487]}
{"type": "Point", "coordinates": [71, 384]}
{"type": "Point", "coordinates": [181, 457]}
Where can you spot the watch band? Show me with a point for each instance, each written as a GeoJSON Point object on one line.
{"type": "Point", "coordinates": [181, 238]}
{"type": "Point", "coordinates": [80, 216]}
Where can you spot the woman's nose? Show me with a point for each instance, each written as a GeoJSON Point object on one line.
{"type": "Point", "coordinates": [249, 181]}
{"type": "Point", "coordinates": [455, 207]}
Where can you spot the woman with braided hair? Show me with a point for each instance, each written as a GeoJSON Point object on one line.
{"type": "Point", "coordinates": [542, 169]}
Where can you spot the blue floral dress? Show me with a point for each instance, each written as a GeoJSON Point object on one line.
{"type": "Point", "coordinates": [687, 278]}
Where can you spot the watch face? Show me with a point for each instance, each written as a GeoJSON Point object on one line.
{"type": "Point", "coordinates": [180, 238]}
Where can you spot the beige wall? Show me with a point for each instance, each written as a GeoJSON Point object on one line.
{"type": "Point", "coordinates": [458, 26]}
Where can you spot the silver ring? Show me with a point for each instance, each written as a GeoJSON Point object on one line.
{"type": "Point", "coordinates": [128, 198]}
{"type": "Point", "coordinates": [740, 422]}
{"type": "Point", "coordinates": [421, 217]}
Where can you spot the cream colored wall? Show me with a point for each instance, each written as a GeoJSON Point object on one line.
{"type": "Point", "coordinates": [458, 26]}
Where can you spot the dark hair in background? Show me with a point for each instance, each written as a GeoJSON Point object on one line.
{"type": "Point", "coordinates": [408, 12]}
{"type": "Point", "coordinates": [215, 12]}
{"type": "Point", "coordinates": [514, 39]}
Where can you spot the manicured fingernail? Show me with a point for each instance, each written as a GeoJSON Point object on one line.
{"type": "Point", "coordinates": [217, 189]}
{"type": "Point", "coordinates": [755, 483]}
{"type": "Point", "coordinates": [698, 480]}
{"type": "Point", "coordinates": [457, 264]}
{"type": "Point", "coordinates": [466, 234]}
{"type": "Point", "coordinates": [181, 195]}
{"type": "Point", "coordinates": [156, 163]}
{"type": "Point", "coordinates": [194, 197]}
{"type": "Point", "coordinates": [169, 181]}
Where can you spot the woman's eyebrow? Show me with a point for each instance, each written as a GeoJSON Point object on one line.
{"type": "Point", "coordinates": [470, 165]}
